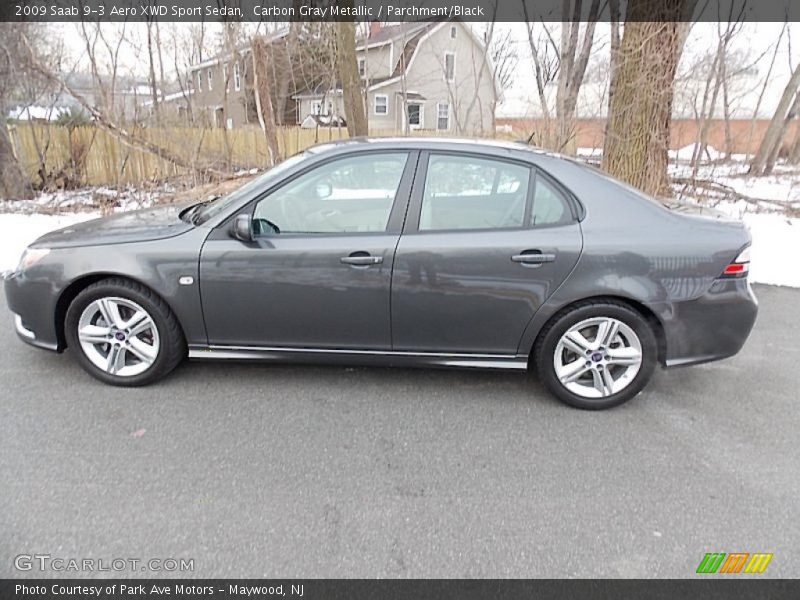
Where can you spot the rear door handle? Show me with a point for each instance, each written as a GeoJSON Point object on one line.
{"type": "Point", "coordinates": [533, 257]}
{"type": "Point", "coordinates": [360, 260]}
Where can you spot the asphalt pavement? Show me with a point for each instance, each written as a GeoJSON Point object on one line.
{"type": "Point", "coordinates": [295, 471]}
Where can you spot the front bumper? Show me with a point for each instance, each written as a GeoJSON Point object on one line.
{"type": "Point", "coordinates": [33, 306]}
{"type": "Point", "coordinates": [712, 327]}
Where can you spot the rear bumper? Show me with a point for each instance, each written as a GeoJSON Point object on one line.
{"type": "Point", "coordinates": [33, 306]}
{"type": "Point", "coordinates": [712, 327]}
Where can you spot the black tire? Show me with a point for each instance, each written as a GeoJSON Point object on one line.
{"type": "Point", "coordinates": [545, 348]}
{"type": "Point", "coordinates": [172, 348]}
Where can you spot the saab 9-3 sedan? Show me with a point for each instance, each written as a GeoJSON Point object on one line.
{"type": "Point", "coordinates": [408, 252]}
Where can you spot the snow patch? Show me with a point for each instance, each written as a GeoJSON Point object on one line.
{"type": "Point", "coordinates": [687, 153]}
{"type": "Point", "coordinates": [776, 245]}
{"type": "Point", "coordinates": [18, 231]}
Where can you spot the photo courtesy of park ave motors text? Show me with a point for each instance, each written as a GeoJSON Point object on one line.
{"type": "Point", "coordinates": [372, 290]}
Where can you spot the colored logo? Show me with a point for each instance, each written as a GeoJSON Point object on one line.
{"type": "Point", "coordinates": [736, 562]}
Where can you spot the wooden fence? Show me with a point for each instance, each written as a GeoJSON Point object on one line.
{"type": "Point", "coordinates": [104, 160]}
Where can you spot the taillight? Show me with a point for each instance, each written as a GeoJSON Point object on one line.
{"type": "Point", "coordinates": [740, 265]}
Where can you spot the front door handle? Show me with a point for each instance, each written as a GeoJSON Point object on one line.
{"type": "Point", "coordinates": [533, 257]}
{"type": "Point", "coordinates": [361, 260]}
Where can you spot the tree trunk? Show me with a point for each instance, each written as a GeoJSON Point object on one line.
{"type": "Point", "coordinates": [266, 114]}
{"type": "Point", "coordinates": [614, 15]}
{"type": "Point", "coordinates": [13, 183]}
{"type": "Point", "coordinates": [774, 134]}
{"type": "Point", "coordinates": [635, 149]}
{"type": "Point", "coordinates": [790, 116]}
{"type": "Point", "coordinates": [572, 68]}
{"type": "Point", "coordinates": [152, 63]}
{"type": "Point", "coordinates": [348, 74]}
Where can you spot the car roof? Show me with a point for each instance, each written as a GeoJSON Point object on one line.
{"type": "Point", "coordinates": [497, 147]}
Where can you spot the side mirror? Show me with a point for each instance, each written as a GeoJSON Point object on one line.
{"type": "Point", "coordinates": [242, 228]}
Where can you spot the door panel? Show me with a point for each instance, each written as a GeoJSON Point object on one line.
{"type": "Point", "coordinates": [485, 243]}
{"type": "Point", "coordinates": [318, 273]}
{"type": "Point", "coordinates": [296, 291]}
{"type": "Point", "coordinates": [463, 292]}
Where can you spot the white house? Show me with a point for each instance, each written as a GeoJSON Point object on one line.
{"type": "Point", "coordinates": [431, 75]}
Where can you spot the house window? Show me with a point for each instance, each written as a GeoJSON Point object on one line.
{"type": "Point", "coordinates": [210, 79]}
{"type": "Point", "coordinates": [362, 67]}
{"type": "Point", "coordinates": [316, 107]}
{"type": "Point", "coordinates": [453, 32]}
{"type": "Point", "coordinates": [381, 106]}
{"type": "Point", "coordinates": [225, 79]}
{"type": "Point", "coordinates": [443, 115]}
{"type": "Point", "coordinates": [199, 81]}
{"type": "Point", "coordinates": [450, 66]}
{"type": "Point", "coordinates": [237, 77]}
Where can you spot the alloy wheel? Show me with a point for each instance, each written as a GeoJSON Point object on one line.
{"type": "Point", "coordinates": [118, 336]}
{"type": "Point", "coordinates": [598, 357]}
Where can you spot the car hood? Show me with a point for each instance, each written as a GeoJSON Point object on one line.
{"type": "Point", "coordinates": [137, 226]}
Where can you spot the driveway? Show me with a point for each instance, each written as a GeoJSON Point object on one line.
{"type": "Point", "coordinates": [292, 471]}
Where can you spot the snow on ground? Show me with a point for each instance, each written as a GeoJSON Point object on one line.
{"type": "Point", "coordinates": [776, 247]}
{"type": "Point", "coordinates": [19, 230]}
{"type": "Point", "coordinates": [687, 153]}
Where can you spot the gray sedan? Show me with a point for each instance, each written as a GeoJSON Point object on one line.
{"type": "Point", "coordinates": [424, 252]}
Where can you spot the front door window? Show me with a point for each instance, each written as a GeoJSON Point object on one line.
{"type": "Point", "coordinates": [353, 194]}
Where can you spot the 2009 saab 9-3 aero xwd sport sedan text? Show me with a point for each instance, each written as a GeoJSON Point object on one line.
{"type": "Point", "coordinates": [402, 252]}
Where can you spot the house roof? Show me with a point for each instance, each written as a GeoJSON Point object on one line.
{"type": "Point", "coordinates": [413, 33]}
{"type": "Point", "coordinates": [240, 49]}
{"type": "Point", "coordinates": [389, 33]}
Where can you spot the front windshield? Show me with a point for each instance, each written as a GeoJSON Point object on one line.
{"type": "Point", "coordinates": [218, 205]}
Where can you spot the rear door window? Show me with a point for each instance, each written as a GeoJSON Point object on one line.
{"type": "Point", "coordinates": [464, 192]}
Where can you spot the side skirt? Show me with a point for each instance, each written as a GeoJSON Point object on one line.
{"type": "Point", "coordinates": [360, 357]}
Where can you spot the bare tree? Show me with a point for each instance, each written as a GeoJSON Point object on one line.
{"type": "Point", "coordinates": [635, 147]}
{"type": "Point", "coordinates": [717, 77]}
{"type": "Point", "coordinates": [573, 58]}
{"type": "Point", "coordinates": [764, 159]}
{"type": "Point", "coordinates": [266, 112]}
{"type": "Point", "coordinates": [503, 52]}
{"type": "Point", "coordinates": [104, 118]}
{"type": "Point", "coordinates": [353, 97]}
{"type": "Point", "coordinates": [154, 49]}
{"type": "Point", "coordinates": [563, 62]}
{"type": "Point", "coordinates": [15, 70]}
{"type": "Point", "coordinates": [545, 70]}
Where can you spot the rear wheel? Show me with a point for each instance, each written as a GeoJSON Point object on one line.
{"type": "Point", "coordinates": [596, 355]}
{"type": "Point", "coordinates": [123, 334]}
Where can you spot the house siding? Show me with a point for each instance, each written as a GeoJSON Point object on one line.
{"type": "Point", "coordinates": [377, 61]}
{"type": "Point", "coordinates": [471, 95]}
{"type": "Point", "coordinates": [234, 104]}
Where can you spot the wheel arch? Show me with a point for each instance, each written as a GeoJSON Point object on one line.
{"type": "Point", "coordinates": [652, 319]}
{"type": "Point", "coordinates": [76, 286]}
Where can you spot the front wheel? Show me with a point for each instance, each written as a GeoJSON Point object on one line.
{"type": "Point", "coordinates": [123, 334]}
{"type": "Point", "coordinates": [596, 355]}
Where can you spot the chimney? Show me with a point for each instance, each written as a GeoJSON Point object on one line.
{"type": "Point", "coordinates": [374, 28]}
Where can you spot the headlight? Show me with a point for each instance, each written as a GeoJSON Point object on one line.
{"type": "Point", "coordinates": [31, 256]}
